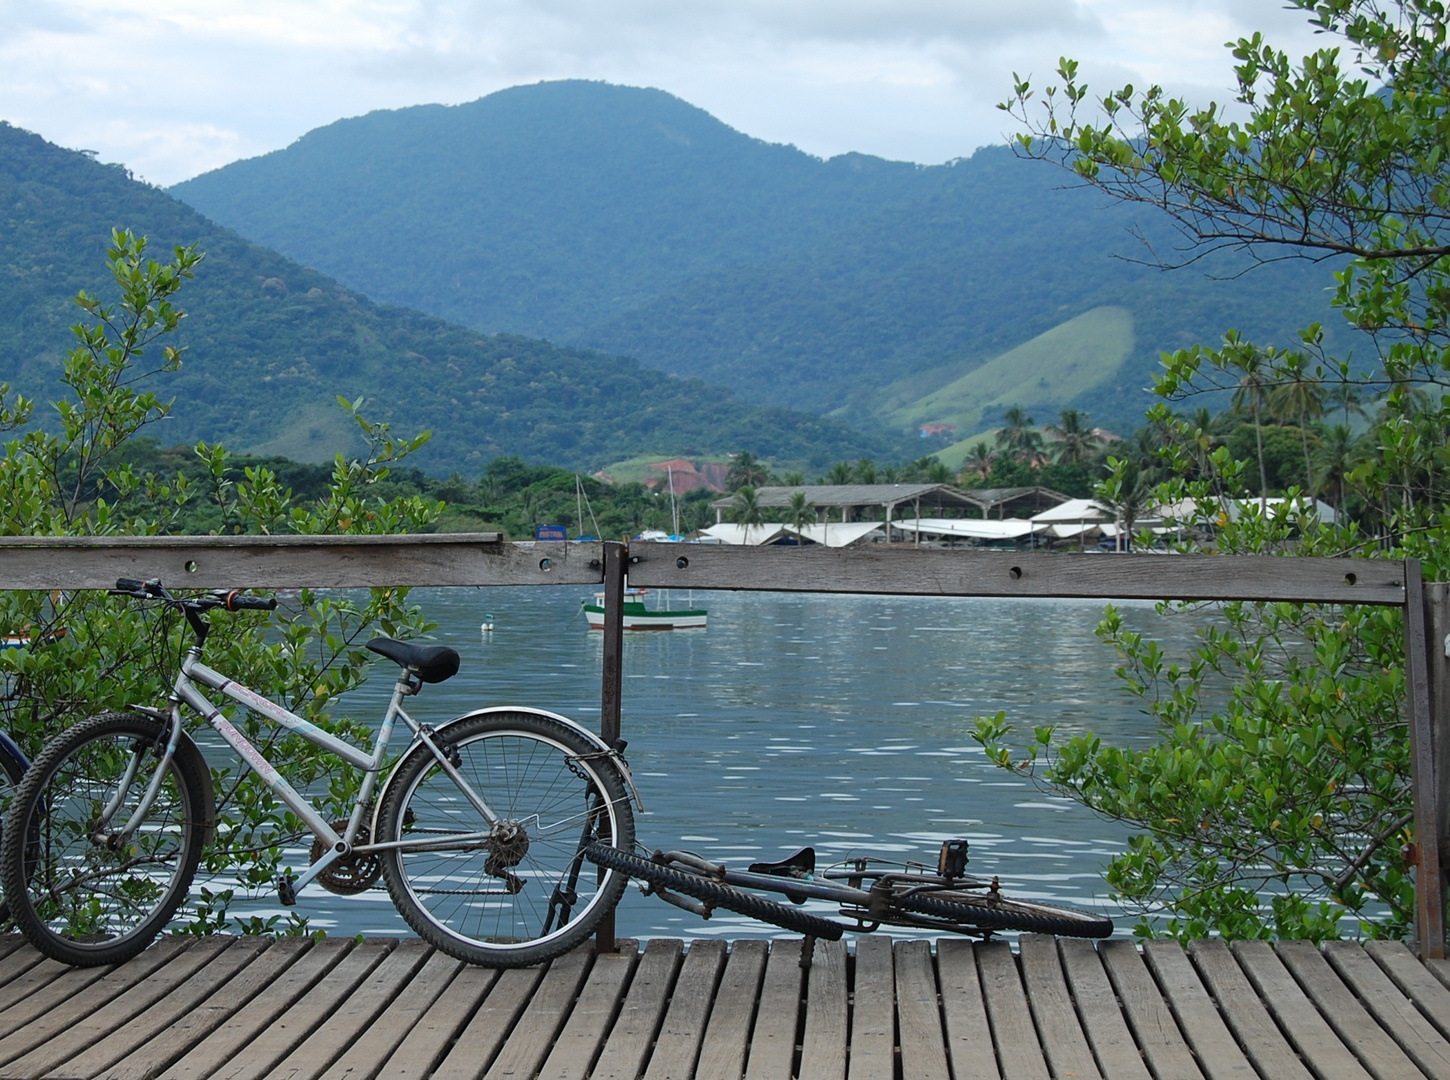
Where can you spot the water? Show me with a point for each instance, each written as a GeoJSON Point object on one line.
{"type": "Point", "coordinates": [834, 721]}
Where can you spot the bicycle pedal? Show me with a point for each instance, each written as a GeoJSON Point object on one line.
{"type": "Point", "coordinates": [286, 890]}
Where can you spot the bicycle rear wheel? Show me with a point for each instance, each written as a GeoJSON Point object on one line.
{"type": "Point", "coordinates": [683, 879]}
{"type": "Point", "coordinates": [518, 892]}
{"type": "Point", "coordinates": [988, 912]}
{"type": "Point", "coordinates": [79, 889]}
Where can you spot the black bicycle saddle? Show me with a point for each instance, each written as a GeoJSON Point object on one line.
{"type": "Point", "coordinates": [431, 663]}
{"type": "Point", "coordinates": [801, 864]}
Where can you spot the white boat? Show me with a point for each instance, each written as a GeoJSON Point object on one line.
{"type": "Point", "coordinates": [639, 617]}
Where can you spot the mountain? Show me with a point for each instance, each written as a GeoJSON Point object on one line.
{"type": "Point", "coordinates": [271, 343]}
{"type": "Point", "coordinates": [630, 221]}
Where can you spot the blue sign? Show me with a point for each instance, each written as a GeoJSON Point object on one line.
{"type": "Point", "coordinates": [551, 532]}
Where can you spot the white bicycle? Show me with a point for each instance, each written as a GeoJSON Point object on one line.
{"type": "Point", "coordinates": [479, 830]}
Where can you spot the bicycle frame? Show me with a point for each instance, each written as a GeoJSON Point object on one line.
{"type": "Point", "coordinates": [186, 692]}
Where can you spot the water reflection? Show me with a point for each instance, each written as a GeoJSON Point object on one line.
{"type": "Point", "coordinates": [834, 721]}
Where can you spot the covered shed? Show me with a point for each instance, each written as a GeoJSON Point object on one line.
{"type": "Point", "coordinates": [865, 502]}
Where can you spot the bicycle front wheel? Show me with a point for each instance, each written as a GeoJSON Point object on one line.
{"type": "Point", "coordinates": [12, 768]}
{"type": "Point", "coordinates": [977, 912]}
{"type": "Point", "coordinates": [519, 891]}
{"type": "Point", "coordinates": [86, 884]}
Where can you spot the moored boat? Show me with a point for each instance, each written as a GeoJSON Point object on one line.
{"type": "Point", "coordinates": [639, 617]}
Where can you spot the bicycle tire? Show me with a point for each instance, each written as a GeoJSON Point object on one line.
{"type": "Point", "coordinates": [86, 903]}
{"type": "Point", "coordinates": [12, 770]}
{"type": "Point", "coordinates": [527, 767]}
{"type": "Point", "coordinates": [986, 913]}
{"type": "Point", "coordinates": [691, 883]}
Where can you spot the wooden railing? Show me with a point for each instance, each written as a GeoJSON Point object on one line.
{"type": "Point", "coordinates": [484, 559]}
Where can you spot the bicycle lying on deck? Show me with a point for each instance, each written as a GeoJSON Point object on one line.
{"type": "Point", "coordinates": [479, 829]}
{"type": "Point", "coordinates": [871, 893]}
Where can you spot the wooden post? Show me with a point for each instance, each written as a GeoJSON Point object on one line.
{"type": "Point", "coordinates": [1420, 659]}
{"type": "Point", "coordinates": [1437, 629]}
{"type": "Point", "coordinates": [616, 566]}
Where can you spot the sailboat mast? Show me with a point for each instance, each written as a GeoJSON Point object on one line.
{"type": "Point", "coordinates": [674, 507]}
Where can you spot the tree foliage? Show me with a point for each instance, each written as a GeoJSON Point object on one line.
{"type": "Point", "coordinates": [1277, 799]}
{"type": "Point", "coordinates": [88, 652]}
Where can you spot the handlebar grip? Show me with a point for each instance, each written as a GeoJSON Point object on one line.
{"type": "Point", "coordinates": [130, 585]}
{"type": "Point", "coordinates": [236, 601]}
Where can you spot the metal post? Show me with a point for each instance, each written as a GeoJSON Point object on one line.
{"type": "Point", "coordinates": [1437, 632]}
{"type": "Point", "coordinates": [616, 564]}
{"type": "Point", "coordinates": [1424, 784]}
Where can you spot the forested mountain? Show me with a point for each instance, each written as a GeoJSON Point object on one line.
{"type": "Point", "coordinates": [271, 343]}
{"type": "Point", "coordinates": [628, 220]}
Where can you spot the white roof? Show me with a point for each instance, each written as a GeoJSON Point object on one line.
{"type": "Point", "coordinates": [728, 532]}
{"type": "Point", "coordinates": [1188, 509]}
{"type": "Point", "coordinates": [838, 533]}
{"type": "Point", "coordinates": [1075, 510]}
{"type": "Point", "coordinates": [974, 528]}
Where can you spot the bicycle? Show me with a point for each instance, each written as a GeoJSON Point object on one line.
{"type": "Point", "coordinates": [478, 831]}
{"type": "Point", "coordinates": [944, 898]}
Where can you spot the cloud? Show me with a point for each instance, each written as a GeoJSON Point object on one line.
{"type": "Point", "coordinates": [174, 89]}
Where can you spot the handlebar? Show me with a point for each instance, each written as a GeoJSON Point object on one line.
{"type": "Point", "coordinates": [231, 600]}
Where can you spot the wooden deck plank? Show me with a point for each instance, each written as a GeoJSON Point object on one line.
{"type": "Point", "coordinates": [303, 1012]}
{"type": "Point", "coordinates": [722, 1055]}
{"type": "Point", "coordinates": [918, 1013]}
{"type": "Point", "coordinates": [1102, 1019]}
{"type": "Point", "coordinates": [1218, 1054]}
{"type": "Point", "coordinates": [1440, 969]}
{"type": "Point", "coordinates": [271, 960]}
{"type": "Point", "coordinates": [590, 1019]}
{"type": "Point", "coordinates": [680, 1036]}
{"type": "Point", "coordinates": [431, 1036]}
{"type": "Point", "coordinates": [1406, 971]}
{"type": "Point", "coordinates": [1297, 1015]}
{"type": "Point", "coordinates": [1368, 991]}
{"type": "Point", "coordinates": [363, 1058]}
{"type": "Point", "coordinates": [823, 1046]}
{"type": "Point", "coordinates": [529, 1043]}
{"type": "Point", "coordinates": [18, 959]}
{"type": "Point", "coordinates": [83, 1031]}
{"type": "Point", "coordinates": [1019, 1052]}
{"type": "Point", "coordinates": [47, 999]}
{"type": "Point", "coordinates": [633, 1034]}
{"type": "Point", "coordinates": [964, 1013]}
{"type": "Point", "coordinates": [11, 942]}
{"type": "Point", "coordinates": [480, 1042]}
{"type": "Point", "coordinates": [1063, 1040]}
{"type": "Point", "coordinates": [1247, 1017]}
{"type": "Point", "coordinates": [873, 1011]}
{"type": "Point", "coordinates": [354, 1013]}
{"type": "Point", "coordinates": [772, 1041]}
{"type": "Point", "coordinates": [1149, 1017]}
{"type": "Point", "coordinates": [158, 1017]}
{"type": "Point", "coordinates": [240, 1027]}
{"type": "Point", "coordinates": [45, 1019]}
{"type": "Point", "coordinates": [36, 977]}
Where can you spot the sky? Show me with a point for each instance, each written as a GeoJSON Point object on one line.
{"type": "Point", "coordinates": [176, 88]}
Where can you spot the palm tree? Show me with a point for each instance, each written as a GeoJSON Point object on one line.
{"type": "Point", "coordinates": [1127, 491]}
{"type": "Point", "coordinates": [1349, 397]}
{"type": "Point", "coordinates": [1017, 436]}
{"type": "Point", "coordinates": [746, 469]}
{"type": "Point", "coordinates": [840, 473]}
{"type": "Point", "coordinates": [748, 511]}
{"type": "Point", "coordinates": [1336, 458]}
{"type": "Point", "coordinates": [979, 460]}
{"type": "Point", "coordinates": [801, 512]}
{"type": "Point", "coordinates": [1252, 386]}
{"type": "Point", "coordinates": [1300, 399]}
{"type": "Point", "coordinates": [1076, 442]}
{"type": "Point", "coordinates": [864, 471]}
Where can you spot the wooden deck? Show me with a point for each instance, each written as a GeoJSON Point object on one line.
{"type": "Point", "coordinates": [254, 1009]}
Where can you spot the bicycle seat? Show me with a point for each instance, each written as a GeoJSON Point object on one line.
{"type": "Point", "coordinates": [431, 663]}
{"type": "Point", "coordinates": [801, 864]}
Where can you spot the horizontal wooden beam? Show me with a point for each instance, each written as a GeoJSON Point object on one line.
{"type": "Point", "coordinates": [291, 562]}
{"type": "Point", "coordinates": [913, 571]}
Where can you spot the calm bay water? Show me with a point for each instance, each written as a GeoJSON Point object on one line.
{"type": "Point", "coordinates": [833, 721]}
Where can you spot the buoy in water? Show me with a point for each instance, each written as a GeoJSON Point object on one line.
{"type": "Point", "coordinates": [487, 625]}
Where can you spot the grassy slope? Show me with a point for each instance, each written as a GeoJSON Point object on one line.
{"type": "Point", "coordinates": [1050, 370]}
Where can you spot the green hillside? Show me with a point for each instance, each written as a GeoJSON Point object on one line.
{"type": "Point", "coordinates": [271, 343]}
{"type": "Point", "coordinates": [629, 221]}
{"type": "Point", "coordinates": [1062, 364]}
